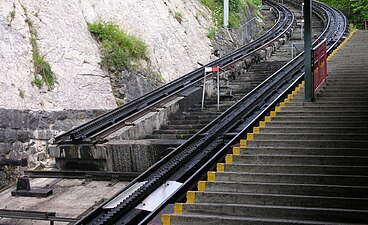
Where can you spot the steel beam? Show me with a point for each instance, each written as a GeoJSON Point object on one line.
{"type": "Point", "coordinates": [308, 51]}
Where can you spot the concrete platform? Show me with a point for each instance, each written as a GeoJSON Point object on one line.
{"type": "Point", "coordinates": [71, 198]}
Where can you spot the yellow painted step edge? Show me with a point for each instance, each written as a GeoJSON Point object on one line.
{"type": "Point", "coordinates": [341, 45]}
{"type": "Point", "coordinates": [165, 219]}
{"type": "Point", "coordinates": [219, 168]}
{"type": "Point", "coordinates": [191, 196]}
{"type": "Point", "coordinates": [178, 208]}
{"type": "Point", "coordinates": [236, 150]}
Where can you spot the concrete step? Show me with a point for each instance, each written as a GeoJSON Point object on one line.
{"type": "Point", "coordinates": [277, 122]}
{"type": "Point", "coordinates": [208, 108]}
{"type": "Point", "coordinates": [297, 169]}
{"type": "Point", "coordinates": [310, 143]}
{"type": "Point", "coordinates": [289, 188]}
{"type": "Point", "coordinates": [348, 86]}
{"type": "Point", "coordinates": [301, 160]}
{"type": "Point", "coordinates": [305, 151]}
{"type": "Point", "coordinates": [316, 113]}
{"type": "Point", "coordinates": [356, 180]}
{"type": "Point", "coordinates": [169, 136]}
{"type": "Point", "coordinates": [279, 212]}
{"type": "Point", "coordinates": [319, 118]}
{"type": "Point", "coordinates": [281, 200]}
{"type": "Point", "coordinates": [311, 136]}
{"type": "Point", "coordinates": [213, 103]}
{"type": "Point", "coordinates": [337, 103]}
{"type": "Point", "coordinates": [191, 219]}
{"type": "Point", "coordinates": [347, 96]}
{"type": "Point", "coordinates": [182, 126]}
{"type": "Point", "coordinates": [198, 117]}
{"type": "Point", "coordinates": [203, 121]}
{"type": "Point", "coordinates": [325, 130]}
{"type": "Point", "coordinates": [204, 113]}
{"type": "Point", "coordinates": [339, 92]}
{"type": "Point", "coordinates": [325, 108]}
{"type": "Point", "coordinates": [175, 131]}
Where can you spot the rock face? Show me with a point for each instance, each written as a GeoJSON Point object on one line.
{"type": "Point", "coordinates": [63, 38]}
{"type": "Point", "coordinates": [71, 51]}
{"type": "Point", "coordinates": [175, 30]}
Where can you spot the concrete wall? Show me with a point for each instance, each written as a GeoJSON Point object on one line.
{"type": "Point", "coordinates": [125, 151]}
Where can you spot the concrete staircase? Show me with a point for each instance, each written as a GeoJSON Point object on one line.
{"type": "Point", "coordinates": [188, 123]}
{"type": "Point", "coordinates": [305, 164]}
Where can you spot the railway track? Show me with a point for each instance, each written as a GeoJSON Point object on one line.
{"type": "Point", "coordinates": [181, 169]}
{"type": "Point", "coordinates": [96, 130]}
{"type": "Point", "coordinates": [88, 175]}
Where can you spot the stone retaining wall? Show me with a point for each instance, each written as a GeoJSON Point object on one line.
{"type": "Point", "coordinates": [26, 133]}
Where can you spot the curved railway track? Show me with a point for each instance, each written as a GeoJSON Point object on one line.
{"type": "Point", "coordinates": [97, 129]}
{"type": "Point", "coordinates": [187, 164]}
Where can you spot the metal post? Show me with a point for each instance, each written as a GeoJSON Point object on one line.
{"type": "Point", "coordinates": [218, 89]}
{"type": "Point", "coordinates": [226, 13]}
{"type": "Point", "coordinates": [302, 9]}
{"type": "Point", "coordinates": [301, 29]}
{"type": "Point", "coordinates": [308, 50]}
{"type": "Point", "coordinates": [204, 89]}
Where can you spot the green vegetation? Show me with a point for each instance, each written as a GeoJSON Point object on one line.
{"type": "Point", "coordinates": [11, 15]}
{"type": "Point", "coordinates": [43, 74]}
{"type": "Point", "coordinates": [355, 10]}
{"type": "Point", "coordinates": [119, 50]}
{"type": "Point", "coordinates": [237, 8]}
{"type": "Point", "coordinates": [179, 17]}
{"type": "Point", "coordinates": [211, 33]}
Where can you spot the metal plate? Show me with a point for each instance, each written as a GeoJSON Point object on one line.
{"type": "Point", "coordinates": [116, 201]}
{"type": "Point", "coordinates": [159, 196]}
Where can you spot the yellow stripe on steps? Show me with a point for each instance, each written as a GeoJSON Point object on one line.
{"type": "Point", "coordinates": [165, 219]}
{"type": "Point", "coordinates": [178, 208]}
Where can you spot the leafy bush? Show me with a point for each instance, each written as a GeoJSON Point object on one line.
{"type": "Point", "coordinates": [119, 50]}
{"type": "Point", "coordinates": [355, 10]}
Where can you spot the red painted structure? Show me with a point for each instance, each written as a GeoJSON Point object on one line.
{"type": "Point", "coordinates": [319, 61]}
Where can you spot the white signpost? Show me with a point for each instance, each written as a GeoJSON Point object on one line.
{"type": "Point", "coordinates": [226, 13]}
{"type": "Point", "coordinates": [207, 70]}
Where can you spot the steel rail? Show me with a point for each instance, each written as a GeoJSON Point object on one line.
{"type": "Point", "coordinates": [173, 162]}
{"type": "Point", "coordinates": [34, 215]}
{"type": "Point", "coordinates": [91, 175]}
{"type": "Point", "coordinates": [189, 161]}
{"type": "Point", "coordinates": [117, 118]}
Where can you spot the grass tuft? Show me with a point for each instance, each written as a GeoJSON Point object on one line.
{"type": "Point", "coordinates": [119, 49]}
{"type": "Point", "coordinates": [179, 17]}
{"type": "Point", "coordinates": [43, 74]}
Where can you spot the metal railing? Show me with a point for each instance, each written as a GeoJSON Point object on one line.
{"type": "Point", "coordinates": [319, 67]}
